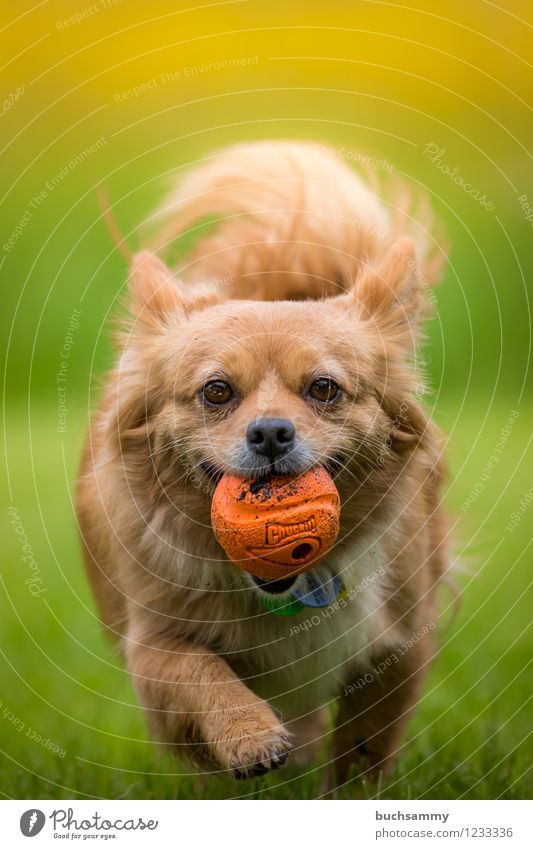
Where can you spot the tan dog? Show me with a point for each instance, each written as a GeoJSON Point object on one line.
{"type": "Point", "coordinates": [298, 305]}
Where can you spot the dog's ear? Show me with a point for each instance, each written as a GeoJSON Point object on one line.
{"type": "Point", "coordinates": [155, 292]}
{"type": "Point", "coordinates": [390, 295]}
{"type": "Point", "coordinates": [157, 296]}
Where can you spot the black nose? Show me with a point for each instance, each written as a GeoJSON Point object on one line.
{"type": "Point", "coordinates": [271, 437]}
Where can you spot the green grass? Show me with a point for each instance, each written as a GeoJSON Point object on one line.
{"type": "Point", "coordinates": [61, 679]}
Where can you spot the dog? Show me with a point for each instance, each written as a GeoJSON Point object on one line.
{"type": "Point", "coordinates": [297, 312]}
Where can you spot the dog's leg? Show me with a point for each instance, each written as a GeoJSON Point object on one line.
{"type": "Point", "coordinates": [190, 693]}
{"type": "Point", "coordinates": [374, 711]}
{"type": "Point", "coordinates": [310, 734]}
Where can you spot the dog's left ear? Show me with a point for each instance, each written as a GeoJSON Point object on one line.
{"type": "Point", "coordinates": [390, 295]}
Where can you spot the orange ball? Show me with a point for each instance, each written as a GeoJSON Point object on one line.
{"type": "Point", "coordinates": [277, 528]}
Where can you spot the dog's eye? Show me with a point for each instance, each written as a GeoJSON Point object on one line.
{"type": "Point", "coordinates": [217, 392]}
{"type": "Point", "coordinates": [324, 390]}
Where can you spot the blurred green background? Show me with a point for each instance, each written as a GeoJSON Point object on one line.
{"type": "Point", "coordinates": [128, 95]}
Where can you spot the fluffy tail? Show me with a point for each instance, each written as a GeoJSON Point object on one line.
{"type": "Point", "coordinates": [285, 220]}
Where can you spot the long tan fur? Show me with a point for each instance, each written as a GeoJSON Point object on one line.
{"type": "Point", "coordinates": [298, 269]}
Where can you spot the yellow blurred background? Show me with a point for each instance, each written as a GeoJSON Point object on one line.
{"type": "Point", "coordinates": [140, 91]}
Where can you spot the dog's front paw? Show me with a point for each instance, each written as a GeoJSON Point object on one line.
{"type": "Point", "coordinates": [253, 743]}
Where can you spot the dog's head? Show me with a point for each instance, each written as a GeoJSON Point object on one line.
{"type": "Point", "coordinates": [207, 385]}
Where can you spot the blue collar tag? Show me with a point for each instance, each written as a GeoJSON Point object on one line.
{"type": "Point", "coordinates": [314, 593]}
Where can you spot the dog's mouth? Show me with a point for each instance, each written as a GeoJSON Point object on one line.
{"type": "Point", "coordinates": [333, 465]}
{"type": "Point", "coordinates": [213, 472]}
{"type": "Point", "coordinates": [274, 587]}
